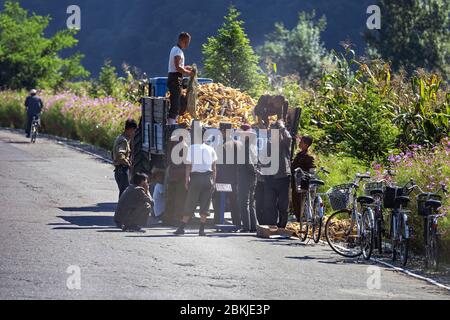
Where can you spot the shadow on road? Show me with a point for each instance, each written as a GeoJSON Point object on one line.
{"type": "Point", "coordinates": [99, 207]}
{"type": "Point", "coordinates": [86, 221]}
{"type": "Point", "coordinates": [16, 142]}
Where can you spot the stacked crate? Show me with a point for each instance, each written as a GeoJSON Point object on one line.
{"type": "Point", "coordinates": [155, 111]}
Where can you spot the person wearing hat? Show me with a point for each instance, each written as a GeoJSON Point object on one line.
{"type": "Point", "coordinates": [34, 106]}
{"type": "Point", "coordinates": [121, 155]}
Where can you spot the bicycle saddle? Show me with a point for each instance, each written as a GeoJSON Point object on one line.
{"type": "Point", "coordinates": [433, 204]}
{"type": "Point", "coordinates": [365, 199]}
{"type": "Point", "coordinates": [402, 200]}
{"type": "Point", "coordinates": [316, 182]}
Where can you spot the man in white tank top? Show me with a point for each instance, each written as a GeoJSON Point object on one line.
{"type": "Point", "coordinates": [175, 78]}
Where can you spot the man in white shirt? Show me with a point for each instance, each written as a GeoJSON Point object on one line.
{"type": "Point", "coordinates": [200, 180]}
{"type": "Point", "coordinates": [175, 78]}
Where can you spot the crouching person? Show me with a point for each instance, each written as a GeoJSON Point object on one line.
{"type": "Point", "coordinates": [135, 205]}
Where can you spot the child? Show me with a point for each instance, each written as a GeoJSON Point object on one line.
{"type": "Point", "coordinates": [158, 193]}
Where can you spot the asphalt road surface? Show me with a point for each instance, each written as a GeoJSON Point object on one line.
{"type": "Point", "coordinates": [56, 217]}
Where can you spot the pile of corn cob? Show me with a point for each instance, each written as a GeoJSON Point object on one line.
{"type": "Point", "coordinates": [337, 231]}
{"type": "Point", "coordinates": [218, 103]}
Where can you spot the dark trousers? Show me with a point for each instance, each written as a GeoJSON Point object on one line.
{"type": "Point", "coordinates": [246, 200]}
{"type": "Point", "coordinates": [174, 84]}
{"type": "Point", "coordinates": [259, 202]}
{"type": "Point", "coordinates": [232, 201]}
{"type": "Point", "coordinates": [121, 176]}
{"type": "Point", "coordinates": [276, 201]}
{"type": "Point", "coordinates": [176, 197]}
{"type": "Point", "coordinates": [28, 123]}
{"type": "Point", "coordinates": [199, 193]}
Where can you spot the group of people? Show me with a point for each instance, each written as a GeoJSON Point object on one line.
{"type": "Point", "coordinates": [179, 189]}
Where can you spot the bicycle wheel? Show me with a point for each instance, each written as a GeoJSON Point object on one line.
{"type": "Point", "coordinates": [316, 221]}
{"type": "Point", "coordinates": [304, 229]}
{"type": "Point", "coordinates": [403, 243]}
{"type": "Point", "coordinates": [33, 133]}
{"type": "Point", "coordinates": [379, 225]}
{"type": "Point", "coordinates": [431, 247]}
{"type": "Point", "coordinates": [394, 236]}
{"type": "Point", "coordinates": [367, 234]}
{"type": "Point", "coordinates": [341, 232]}
{"type": "Point", "coordinates": [304, 223]}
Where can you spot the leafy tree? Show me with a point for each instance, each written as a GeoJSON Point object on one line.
{"type": "Point", "coordinates": [414, 33]}
{"type": "Point", "coordinates": [108, 82]}
{"type": "Point", "coordinates": [29, 59]}
{"type": "Point", "coordinates": [298, 51]}
{"type": "Point", "coordinates": [229, 58]}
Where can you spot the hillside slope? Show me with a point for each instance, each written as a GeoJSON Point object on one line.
{"type": "Point", "coordinates": [141, 32]}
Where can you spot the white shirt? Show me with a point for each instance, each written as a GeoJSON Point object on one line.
{"type": "Point", "coordinates": [176, 51]}
{"type": "Point", "coordinates": [158, 198]}
{"type": "Point", "coordinates": [201, 157]}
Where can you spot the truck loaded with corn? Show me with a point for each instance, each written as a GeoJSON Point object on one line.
{"type": "Point", "coordinates": [209, 103]}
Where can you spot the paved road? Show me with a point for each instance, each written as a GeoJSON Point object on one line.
{"type": "Point", "coordinates": [57, 206]}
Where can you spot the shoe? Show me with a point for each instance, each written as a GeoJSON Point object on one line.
{"type": "Point", "coordinates": [28, 136]}
{"type": "Point", "coordinates": [133, 229]}
{"type": "Point", "coordinates": [179, 231]}
{"type": "Point", "coordinates": [202, 233]}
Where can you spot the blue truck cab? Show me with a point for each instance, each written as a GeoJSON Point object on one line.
{"type": "Point", "coordinates": [158, 85]}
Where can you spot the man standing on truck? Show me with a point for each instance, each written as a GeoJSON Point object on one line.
{"type": "Point", "coordinates": [121, 155]}
{"type": "Point", "coordinates": [175, 78]}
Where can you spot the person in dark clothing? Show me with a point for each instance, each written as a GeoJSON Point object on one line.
{"type": "Point", "coordinates": [33, 105]}
{"type": "Point", "coordinates": [175, 78]}
{"type": "Point", "coordinates": [121, 155]}
{"type": "Point", "coordinates": [276, 186]}
{"type": "Point", "coordinates": [304, 161]}
{"type": "Point", "coordinates": [176, 191]}
{"type": "Point", "coordinates": [135, 205]}
{"type": "Point", "coordinates": [246, 182]}
{"type": "Point", "coordinates": [227, 174]}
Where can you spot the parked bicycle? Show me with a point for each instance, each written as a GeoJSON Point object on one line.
{"type": "Point", "coordinates": [428, 204]}
{"type": "Point", "coordinates": [375, 189]}
{"type": "Point", "coordinates": [35, 124]}
{"type": "Point", "coordinates": [313, 208]}
{"type": "Point", "coordinates": [350, 229]}
{"type": "Point", "coordinates": [397, 198]}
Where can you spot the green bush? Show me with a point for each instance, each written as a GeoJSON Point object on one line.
{"type": "Point", "coordinates": [429, 167]}
{"type": "Point", "coordinates": [12, 109]}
